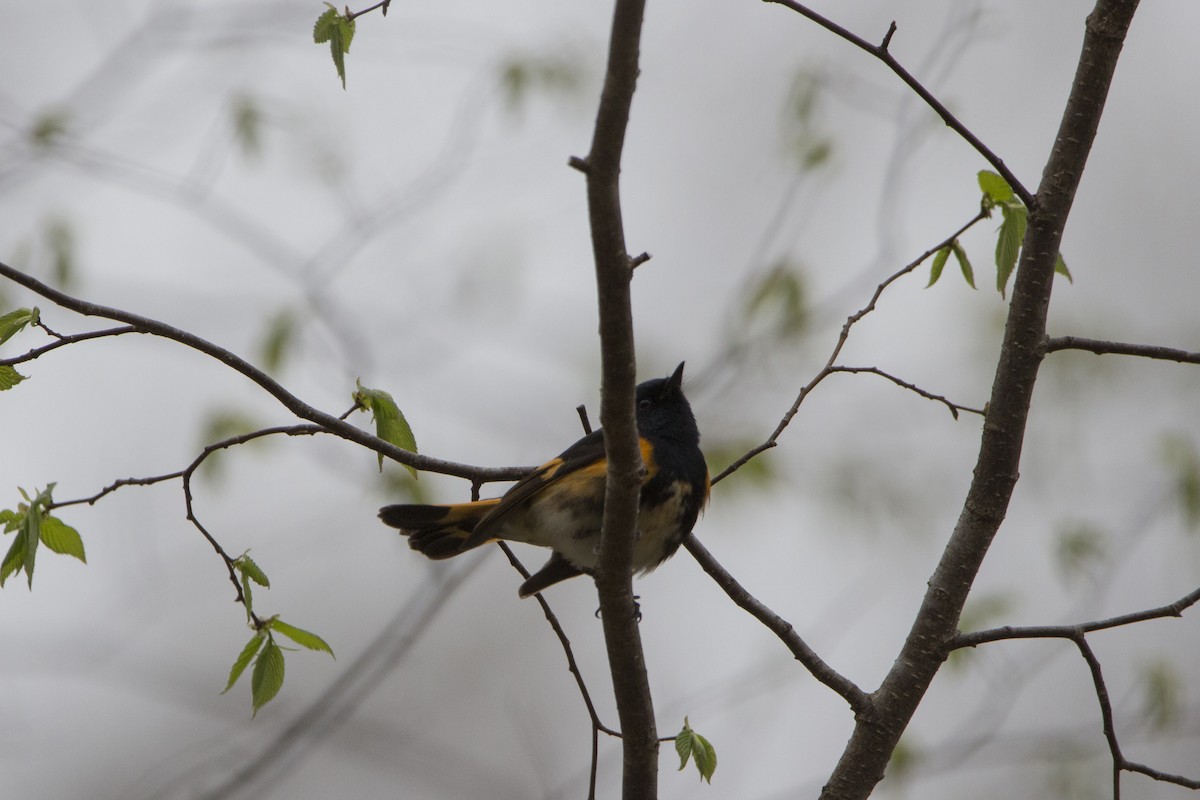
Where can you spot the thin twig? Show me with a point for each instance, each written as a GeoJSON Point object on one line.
{"type": "Point", "coordinates": [351, 15]}
{"type": "Point", "coordinates": [1078, 634]}
{"type": "Point", "coordinates": [1100, 347]}
{"type": "Point", "coordinates": [829, 369]}
{"type": "Point", "coordinates": [334, 425]}
{"type": "Point", "coordinates": [859, 700]}
{"type": "Point", "coordinates": [598, 727]}
{"type": "Point", "coordinates": [954, 408]}
{"type": "Point", "coordinates": [881, 52]}
{"type": "Point", "coordinates": [293, 430]}
{"type": "Point", "coordinates": [581, 409]}
{"type": "Point", "coordinates": [185, 476]}
{"type": "Point", "coordinates": [62, 341]}
{"type": "Point", "coordinates": [976, 638]}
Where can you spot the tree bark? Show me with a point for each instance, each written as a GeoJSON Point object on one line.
{"type": "Point", "coordinates": [877, 732]}
{"type": "Point", "coordinates": [614, 272]}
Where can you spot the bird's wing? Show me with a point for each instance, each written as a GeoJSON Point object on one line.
{"type": "Point", "coordinates": [579, 460]}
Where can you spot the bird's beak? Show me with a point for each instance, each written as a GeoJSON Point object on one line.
{"type": "Point", "coordinates": [676, 379]}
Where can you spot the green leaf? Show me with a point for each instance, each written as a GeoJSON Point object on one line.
{"type": "Point", "coordinates": [247, 124]}
{"type": "Point", "coordinates": [689, 744]}
{"type": "Point", "coordinates": [803, 118]}
{"type": "Point", "coordinates": [31, 527]}
{"type": "Point", "coordinates": [281, 333]}
{"type": "Point", "coordinates": [252, 571]}
{"type": "Point", "coordinates": [60, 240]}
{"type": "Point", "coordinates": [334, 28]}
{"type": "Point", "coordinates": [14, 321]}
{"type": "Point", "coordinates": [247, 599]}
{"type": "Point", "coordinates": [62, 538]}
{"type": "Point", "coordinates": [14, 559]}
{"type": "Point", "coordinates": [939, 263]}
{"type": "Point", "coordinates": [994, 187]}
{"type": "Point", "coordinates": [243, 660]}
{"type": "Point", "coordinates": [550, 73]}
{"type": "Point", "coordinates": [1008, 245]}
{"type": "Point", "coordinates": [1163, 695]}
{"type": "Point", "coordinates": [267, 678]}
{"type": "Point", "coordinates": [9, 377]}
{"type": "Point", "coordinates": [964, 263]}
{"type": "Point", "coordinates": [1079, 547]}
{"type": "Point", "coordinates": [1183, 459]}
{"type": "Point", "coordinates": [326, 24]}
{"type": "Point", "coordinates": [48, 128]}
{"type": "Point", "coordinates": [1060, 266]}
{"type": "Point", "coordinates": [777, 303]}
{"type": "Point", "coordinates": [390, 424]}
{"type": "Point", "coordinates": [301, 637]}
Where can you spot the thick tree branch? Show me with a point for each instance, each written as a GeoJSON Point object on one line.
{"type": "Point", "coordinates": [881, 52]}
{"type": "Point", "coordinates": [1099, 347]}
{"type": "Point", "coordinates": [614, 271]}
{"type": "Point", "coordinates": [335, 426]}
{"type": "Point", "coordinates": [874, 739]}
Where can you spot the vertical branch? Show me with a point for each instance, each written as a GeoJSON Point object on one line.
{"type": "Point", "coordinates": [614, 270]}
{"type": "Point", "coordinates": [874, 739]}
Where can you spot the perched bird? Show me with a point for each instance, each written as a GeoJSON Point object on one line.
{"type": "Point", "coordinates": [559, 505]}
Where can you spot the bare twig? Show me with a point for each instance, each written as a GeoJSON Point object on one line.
{"type": "Point", "coordinates": [62, 341]}
{"type": "Point", "coordinates": [829, 367]}
{"type": "Point", "coordinates": [881, 52]}
{"type": "Point", "coordinates": [1078, 635]}
{"type": "Point", "coordinates": [581, 409]}
{"type": "Point", "coordinates": [598, 727]}
{"type": "Point", "coordinates": [334, 425]}
{"type": "Point", "coordinates": [383, 6]}
{"type": "Point", "coordinates": [1100, 347]}
{"type": "Point", "coordinates": [976, 638]}
{"type": "Point", "coordinates": [185, 476]}
{"type": "Point", "coordinates": [954, 408]}
{"type": "Point", "coordinates": [859, 700]}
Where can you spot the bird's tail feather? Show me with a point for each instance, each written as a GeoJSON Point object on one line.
{"type": "Point", "coordinates": [438, 531]}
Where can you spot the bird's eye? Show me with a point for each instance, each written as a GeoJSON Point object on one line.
{"type": "Point", "coordinates": [644, 402]}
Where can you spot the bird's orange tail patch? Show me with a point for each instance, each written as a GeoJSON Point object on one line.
{"type": "Point", "coordinates": [437, 531]}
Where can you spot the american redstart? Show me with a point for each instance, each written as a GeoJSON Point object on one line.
{"type": "Point", "coordinates": [559, 505]}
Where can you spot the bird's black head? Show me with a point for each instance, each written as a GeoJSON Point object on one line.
{"type": "Point", "coordinates": [663, 410]}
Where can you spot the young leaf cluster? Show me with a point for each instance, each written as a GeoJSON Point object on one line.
{"type": "Point", "coordinates": [266, 679]}
{"type": "Point", "coordinates": [11, 324]}
{"type": "Point", "coordinates": [337, 29]}
{"type": "Point", "coordinates": [15, 321]}
{"type": "Point", "coordinates": [689, 744]}
{"type": "Point", "coordinates": [390, 424]}
{"type": "Point", "coordinates": [943, 255]}
{"type": "Point", "coordinates": [997, 194]}
{"type": "Point", "coordinates": [34, 525]}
